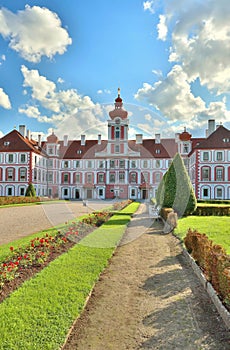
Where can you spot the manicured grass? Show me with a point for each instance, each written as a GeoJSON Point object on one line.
{"type": "Point", "coordinates": [217, 228]}
{"type": "Point", "coordinates": [39, 314]}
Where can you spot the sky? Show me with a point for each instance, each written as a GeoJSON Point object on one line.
{"type": "Point", "coordinates": [61, 63]}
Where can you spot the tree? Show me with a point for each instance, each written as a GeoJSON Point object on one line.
{"type": "Point", "coordinates": [160, 191]}
{"type": "Point", "coordinates": [177, 191]}
{"type": "Point", "coordinates": [30, 191]}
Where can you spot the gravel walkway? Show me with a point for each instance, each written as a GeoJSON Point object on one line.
{"type": "Point", "coordinates": [149, 298]}
{"type": "Point", "coordinates": [17, 222]}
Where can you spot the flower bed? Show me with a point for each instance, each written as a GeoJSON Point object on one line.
{"type": "Point", "coordinates": [50, 302]}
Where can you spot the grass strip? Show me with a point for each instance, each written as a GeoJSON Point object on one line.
{"type": "Point", "coordinates": [215, 227]}
{"type": "Point", "coordinates": [39, 314]}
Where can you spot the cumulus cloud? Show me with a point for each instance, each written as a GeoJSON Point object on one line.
{"type": "Point", "coordinates": [4, 100]}
{"type": "Point", "coordinates": [201, 40]}
{"type": "Point", "coordinates": [172, 96]}
{"type": "Point", "coordinates": [27, 32]}
{"type": "Point", "coordinates": [162, 28]}
{"type": "Point", "coordinates": [64, 109]}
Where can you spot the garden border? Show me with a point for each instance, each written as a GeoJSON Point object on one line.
{"type": "Point", "coordinates": [223, 312]}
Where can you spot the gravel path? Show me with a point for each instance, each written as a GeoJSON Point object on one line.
{"type": "Point", "coordinates": [149, 298]}
{"type": "Point", "coordinates": [17, 222]}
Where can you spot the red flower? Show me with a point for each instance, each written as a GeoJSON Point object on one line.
{"type": "Point", "coordinates": [19, 258]}
{"type": "Point", "coordinates": [11, 248]}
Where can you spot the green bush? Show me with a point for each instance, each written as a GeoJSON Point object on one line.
{"type": "Point", "coordinates": [175, 190]}
{"type": "Point", "coordinates": [30, 191]}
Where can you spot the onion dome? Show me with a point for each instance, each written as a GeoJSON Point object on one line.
{"type": "Point", "coordinates": [52, 138]}
{"type": "Point", "coordinates": [118, 110]}
{"type": "Point", "coordinates": [185, 136]}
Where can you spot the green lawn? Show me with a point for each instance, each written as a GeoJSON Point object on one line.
{"type": "Point", "coordinates": [39, 314]}
{"type": "Point", "coordinates": [217, 228]}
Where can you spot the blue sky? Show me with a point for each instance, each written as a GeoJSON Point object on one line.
{"type": "Point", "coordinates": [61, 63]}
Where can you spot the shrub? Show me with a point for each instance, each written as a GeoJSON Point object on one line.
{"type": "Point", "coordinates": [213, 260]}
{"type": "Point", "coordinates": [30, 191]}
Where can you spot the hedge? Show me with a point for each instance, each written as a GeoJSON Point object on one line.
{"type": "Point", "coordinates": [213, 260]}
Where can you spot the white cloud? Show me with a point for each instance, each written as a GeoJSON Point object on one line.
{"type": "Point", "coordinates": [67, 110]}
{"type": "Point", "coordinates": [148, 117]}
{"type": "Point", "coordinates": [4, 100]}
{"type": "Point", "coordinates": [172, 96]}
{"type": "Point", "coordinates": [27, 32]}
{"type": "Point", "coordinates": [105, 91]}
{"type": "Point", "coordinates": [149, 6]}
{"type": "Point", "coordinates": [162, 28]}
{"type": "Point", "coordinates": [1, 134]}
{"type": "Point", "coordinates": [201, 40]}
{"type": "Point", "coordinates": [60, 81]}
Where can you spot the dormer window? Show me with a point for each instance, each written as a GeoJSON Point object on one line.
{"type": "Point", "coordinates": [6, 143]}
{"type": "Point", "coordinates": [117, 121]}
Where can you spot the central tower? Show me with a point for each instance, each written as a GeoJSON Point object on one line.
{"type": "Point", "coordinates": [118, 128]}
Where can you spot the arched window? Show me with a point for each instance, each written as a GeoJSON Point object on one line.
{"type": "Point", "coordinates": [22, 174]}
{"type": "Point", "coordinates": [117, 132]}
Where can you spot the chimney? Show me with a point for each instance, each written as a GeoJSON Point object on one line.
{"type": "Point", "coordinates": [65, 143]}
{"type": "Point", "coordinates": [157, 138]}
{"type": "Point", "coordinates": [82, 140]}
{"type": "Point", "coordinates": [99, 139]}
{"type": "Point", "coordinates": [177, 138]}
{"type": "Point", "coordinates": [22, 130]}
{"type": "Point", "coordinates": [28, 134]}
{"type": "Point", "coordinates": [211, 126]}
{"type": "Point", "coordinates": [39, 140]}
{"type": "Point", "coordinates": [139, 139]}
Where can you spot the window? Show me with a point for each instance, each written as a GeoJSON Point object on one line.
{"type": "Point", "coordinates": [205, 174]}
{"type": "Point", "coordinates": [133, 192]}
{"type": "Point", "coordinates": [133, 177]}
{"type": "Point", "coordinates": [101, 178]}
{"type": "Point", "coordinates": [77, 164]}
{"type": "Point", "coordinates": [35, 159]}
{"type": "Point", "coordinates": [219, 192]}
{"type": "Point", "coordinates": [122, 163]}
{"type": "Point", "coordinates": [9, 174]}
{"type": "Point", "coordinates": [65, 192]}
{"type": "Point", "coordinates": [121, 177]}
{"type": "Point", "coordinates": [50, 150]}
{"type": "Point", "coordinates": [112, 178]}
{"type": "Point", "coordinates": [158, 163]}
{"type": "Point", "coordinates": [66, 178]}
{"type": "Point", "coordinates": [89, 164]}
{"type": "Point", "coordinates": [9, 191]}
{"type": "Point", "coordinates": [112, 164]}
{"type": "Point", "coordinates": [22, 174]}
{"type": "Point", "coordinates": [6, 143]}
{"type": "Point", "coordinates": [133, 164]}
{"type": "Point", "coordinates": [35, 174]}
{"type": "Point", "coordinates": [50, 163]}
{"type": "Point", "coordinates": [39, 175]}
{"type": "Point", "coordinates": [169, 162]}
{"type": "Point", "coordinates": [117, 132]}
{"type": "Point", "coordinates": [158, 151]}
{"type": "Point", "coordinates": [22, 191]}
{"type": "Point", "coordinates": [117, 148]}
{"type": "Point", "coordinates": [205, 155]}
{"type": "Point", "coordinates": [50, 176]}
{"type": "Point", "coordinates": [219, 156]}
{"type": "Point", "coordinates": [89, 178]}
{"type": "Point", "coordinates": [219, 174]}
{"type": "Point", "coordinates": [145, 177]}
{"type": "Point", "coordinates": [145, 164]}
{"type": "Point", "coordinates": [10, 158]}
{"type": "Point", "coordinates": [157, 177]}
{"type": "Point", "coordinates": [185, 148]}
{"type": "Point", "coordinates": [77, 178]}
{"type": "Point", "coordinates": [22, 158]}
{"type": "Point", "coordinates": [101, 192]}
{"type": "Point", "coordinates": [101, 164]}
{"type": "Point", "coordinates": [66, 164]}
{"type": "Point", "coordinates": [205, 192]}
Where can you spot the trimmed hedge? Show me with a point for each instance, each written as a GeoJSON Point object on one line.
{"type": "Point", "coordinates": [213, 260]}
{"type": "Point", "coordinates": [212, 210]}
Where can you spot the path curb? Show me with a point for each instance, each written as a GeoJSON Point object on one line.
{"type": "Point", "coordinates": [223, 312]}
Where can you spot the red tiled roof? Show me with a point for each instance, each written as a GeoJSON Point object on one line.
{"type": "Point", "coordinates": [15, 142]}
{"type": "Point", "coordinates": [215, 140]}
{"type": "Point", "coordinates": [74, 150]}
